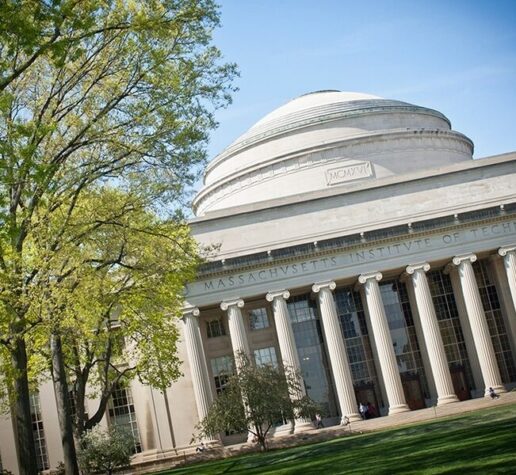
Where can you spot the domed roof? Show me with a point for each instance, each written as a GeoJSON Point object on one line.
{"type": "Point", "coordinates": [312, 99]}
{"type": "Point", "coordinates": [324, 139]}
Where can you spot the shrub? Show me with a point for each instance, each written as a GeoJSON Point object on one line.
{"type": "Point", "coordinates": [105, 450]}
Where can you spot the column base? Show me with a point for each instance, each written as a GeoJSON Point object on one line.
{"type": "Point", "coordinates": [302, 425]}
{"type": "Point", "coordinates": [398, 409]}
{"type": "Point", "coordinates": [441, 401]}
{"type": "Point", "coordinates": [355, 417]}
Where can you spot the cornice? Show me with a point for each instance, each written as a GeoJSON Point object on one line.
{"type": "Point", "coordinates": [317, 252]}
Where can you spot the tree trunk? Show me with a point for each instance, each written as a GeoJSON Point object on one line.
{"type": "Point", "coordinates": [263, 443]}
{"type": "Point", "coordinates": [261, 436]}
{"type": "Point", "coordinates": [25, 448]}
{"type": "Point", "coordinates": [64, 413]}
{"type": "Point", "coordinates": [169, 419]}
{"type": "Point", "coordinates": [81, 377]}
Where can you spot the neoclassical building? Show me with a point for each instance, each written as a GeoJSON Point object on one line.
{"type": "Point", "coordinates": [356, 240]}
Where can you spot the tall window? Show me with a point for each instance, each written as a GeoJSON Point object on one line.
{"type": "Point", "coordinates": [495, 321]}
{"type": "Point", "coordinates": [38, 433]}
{"type": "Point", "coordinates": [222, 368]}
{"type": "Point", "coordinates": [122, 414]}
{"type": "Point", "coordinates": [403, 332]}
{"type": "Point", "coordinates": [449, 323]}
{"type": "Point", "coordinates": [266, 356]}
{"type": "Point", "coordinates": [258, 318]}
{"type": "Point", "coordinates": [215, 328]}
{"type": "Point", "coordinates": [354, 331]}
{"type": "Point", "coordinates": [313, 360]}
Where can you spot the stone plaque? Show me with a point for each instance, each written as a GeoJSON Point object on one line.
{"type": "Point", "coordinates": [338, 175]}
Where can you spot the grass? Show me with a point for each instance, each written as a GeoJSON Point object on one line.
{"type": "Point", "coordinates": [481, 442]}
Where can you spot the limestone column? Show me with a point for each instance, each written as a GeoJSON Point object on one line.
{"type": "Point", "coordinates": [287, 345]}
{"type": "Point", "coordinates": [337, 352]}
{"type": "Point", "coordinates": [509, 260]}
{"type": "Point", "coordinates": [237, 331]}
{"type": "Point", "coordinates": [383, 342]}
{"type": "Point", "coordinates": [478, 382]}
{"type": "Point", "coordinates": [197, 360]}
{"type": "Point", "coordinates": [478, 323]}
{"type": "Point", "coordinates": [432, 334]}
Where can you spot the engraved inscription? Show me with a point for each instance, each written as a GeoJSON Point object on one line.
{"type": "Point", "coordinates": [410, 249]}
{"type": "Point", "coordinates": [338, 175]}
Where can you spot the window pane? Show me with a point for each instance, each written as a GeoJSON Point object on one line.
{"type": "Point", "coordinates": [449, 323]}
{"type": "Point", "coordinates": [258, 318]}
{"type": "Point", "coordinates": [215, 328]}
{"type": "Point", "coordinates": [312, 355]}
{"type": "Point", "coordinates": [122, 414]}
{"type": "Point", "coordinates": [222, 368]}
{"type": "Point", "coordinates": [266, 356]}
{"type": "Point", "coordinates": [38, 433]}
{"type": "Point", "coordinates": [403, 334]}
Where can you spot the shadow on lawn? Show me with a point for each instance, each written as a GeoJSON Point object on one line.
{"type": "Point", "coordinates": [476, 443]}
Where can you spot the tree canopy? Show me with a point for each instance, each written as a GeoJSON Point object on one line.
{"type": "Point", "coordinates": [114, 296]}
{"type": "Point", "coordinates": [95, 95]}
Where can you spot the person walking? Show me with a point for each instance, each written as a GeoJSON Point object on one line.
{"type": "Point", "coordinates": [363, 411]}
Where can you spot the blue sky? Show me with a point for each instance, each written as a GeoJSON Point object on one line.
{"type": "Point", "coordinates": [458, 57]}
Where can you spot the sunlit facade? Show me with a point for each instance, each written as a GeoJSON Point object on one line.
{"type": "Point", "coordinates": [358, 242]}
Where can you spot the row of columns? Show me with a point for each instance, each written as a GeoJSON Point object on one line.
{"type": "Point", "coordinates": [380, 334]}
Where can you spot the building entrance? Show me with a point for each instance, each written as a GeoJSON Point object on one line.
{"type": "Point", "coordinates": [460, 382]}
{"type": "Point", "coordinates": [413, 391]}
{"type": "Point", "coordinates": [366, 395]}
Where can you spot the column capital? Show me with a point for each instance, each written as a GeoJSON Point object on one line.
{"type": "Point", "coordinates": [363, 278]}
{"type": "Point", "coordinates": [284, 294]}
{"type": "Point", "coordinates": [318, 286]}
{"type": "Point", "coordinates": [191, 312]}
{"type": "Point", "coordinates": [503, 251]}
{"type": "Point", "coordinates": [230, 303]}
{"type": "Point", "coordinates": [457, 260]}
{"type": "Point", "coordinates": [411, 268]}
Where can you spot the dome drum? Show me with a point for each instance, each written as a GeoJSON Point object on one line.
{"type": "Point", "coordinates": [328, 139]}
{"type": "Point", "coordinates": [249, 152]}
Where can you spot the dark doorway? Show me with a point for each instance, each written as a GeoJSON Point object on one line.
{"type": "Point", "coordinates": [366, 395]}
{"type": "Point", "coordinates": [413, 391]}
{"type": "Point", "coordinates": [460, 382]}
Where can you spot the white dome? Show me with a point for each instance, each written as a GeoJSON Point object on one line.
{"type": "Point", "coordinates": [312, 99]}
{"type": "Point", "coordinates": [326, 139]}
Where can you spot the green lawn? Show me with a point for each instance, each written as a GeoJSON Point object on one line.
{"type": "Point", "coordinates": [482, 442]}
